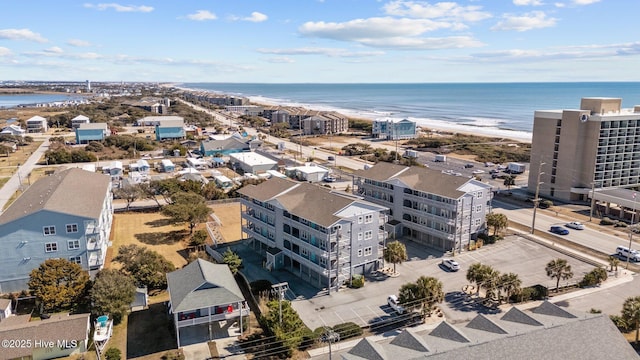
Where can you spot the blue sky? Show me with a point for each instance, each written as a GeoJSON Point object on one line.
{"type": "Point", "coordinates": [307, 41]}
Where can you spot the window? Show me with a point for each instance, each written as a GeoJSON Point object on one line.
{"type": "Point", "coordinates": [359, 219]}
{"type": "Point", "coordinates": [323, 261]}
{"type": "Point", "coordinates": [359, 236]}
{"type": "Point", "coordinates": [368, 235]}
{"type": "Point", "coordinates": [479, 195]}
{"type": "Point", "coordinates": [367, 251]}
{"type": "Point", "coordinates": [478, 208]}
{"type": "Point", "coordinates": [477, 222]}
{"type": "Point", "coordinates": [368, 219]}
{"type": "Point", "coordinates": [72, 228]}
{"type": "Point", "coordinates": [49, 230]}
{"type": "Point", "coordinates": [76, 260]}
{"type": "Point", "coordinates": [304, 252]}
{"type": "Point", "coordinates": [73, 244]}
{"type": "Point", "coordinates": [51, 247]}
{"type": "Point", "coordinates": [359, 252]}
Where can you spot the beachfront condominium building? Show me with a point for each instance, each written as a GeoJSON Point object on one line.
{"type": "Point", "coordinates": [393, 130]}
{"type": "Point", "coordinates": [597, 145]}
{"type": "Point", "coordinates": [325, 123]}
{"type": "Point", "coordinates": [67, 215]}
{"type": "Point", "coordinates": [321, 236]}
{"type": "Point", "coordinates": [427, 206]}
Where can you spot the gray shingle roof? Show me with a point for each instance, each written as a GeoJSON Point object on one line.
{"type": "Point", "coordinates": [407, 339]}
{"type": "Point", "coordinates": [202, 284]}
{"type": "Point", "coordinates": [368, 349]}
{"type": "Point", "coordinates": [483, 323]}
{"type": "Point", "coordinates": [226, 144]}
{"type": "Point", "coordinates": [516, 315]}
{"type": "Point", "coordinates": [547, 308]}
{"type": "Point", "coordinates": [267, 189]}
{"type": "Point", "coordinates": [418, 178]}
{"type": "Point", "coordinates": [73, 191]}
{"type": "Point", "coordinates": [57, 328]}
{"type": "Point", "coordinates": [305, 199]}
{"type": "Point", "coordinates": [449, 332]}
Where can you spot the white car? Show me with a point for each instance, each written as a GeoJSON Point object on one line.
{"type": "Point", "coordinates": [451, 264]}
{"type": "Point", "coordinates": [575, 225]}
{"type": "Point", "coordinates": [392, 300]}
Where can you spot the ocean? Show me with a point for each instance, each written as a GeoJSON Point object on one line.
{"type": "Point", "coordinates": [492, 109]}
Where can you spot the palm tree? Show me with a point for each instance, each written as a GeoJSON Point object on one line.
{"type": "Point", "coordinates": [497, 222]}
{"type": "Point", "coordinates": [474, 275]}
{"type": "Point", "coordinates": [395, 253]}
{"type": "Point", "coordinates": [491, 282]}
{"type": "Point", "coordinates": [559, 269]}
{"type": "Point", "coordinates": [509, 181]}
{"type": "Point", "coordinates": [430, 291]}
{"type": "Point", "coordinates": [614, 262]}
{"type": "Point", "coordinates": [631, 313]}
{"type": "Point", "coordinates": [510, 284]}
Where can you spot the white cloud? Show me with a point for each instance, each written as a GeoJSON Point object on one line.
{"type": "Point", "coordinates": [21, 34]}
{"type": "Point", "coordinates": [559, 5]}
{"type": "Point", "coordinates": [527, 2]}
{"type": "Point", "coordinates": [331, 52]}
{"type": "Point", "coordinates": [281, 60]}
{"type": "Point", "coordinates": [529, 21]}
{"type": "Point", "coordinates": [441, 10]}
{"type": "Point", "coordinates": [54, 50]}
{"type": "Point", "coordinates": [119, 8]}
{"type": "Point", "coordinates": [584, 2]}
{"type": "Point", "coordinates": [4, 51]}
{"type": "Point", "coordinates": [78, 43]}
{"type": "Point", "coordinates": [257, 17]}
{"type": "Point", "coordinates": [202, 15]}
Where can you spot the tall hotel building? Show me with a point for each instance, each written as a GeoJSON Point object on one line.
{"type": "Point", "coordinates": [321, 236]}
{"type": "Point", "coordinates": [572, 151]}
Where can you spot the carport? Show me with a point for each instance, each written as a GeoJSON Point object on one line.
{"type": "Point", "coordinates": [625, 203]}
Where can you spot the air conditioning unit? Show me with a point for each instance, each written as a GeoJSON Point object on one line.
{"type": "Point", "coordinates": [584, 117]}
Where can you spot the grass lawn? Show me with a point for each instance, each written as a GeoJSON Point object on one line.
{"type": "Point", "coordinates": [229, 215]}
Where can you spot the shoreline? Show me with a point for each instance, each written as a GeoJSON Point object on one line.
{"type": "Point", "coordinates": [426, 125]}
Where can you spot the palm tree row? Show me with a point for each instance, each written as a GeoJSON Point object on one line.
{"type": "Point", "coordinates": [494, 283]}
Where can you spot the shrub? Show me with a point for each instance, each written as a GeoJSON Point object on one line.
{"type": "Point", "coordinates": [113, 354]}
{"type": "Point", "coordinates": [357, 281]}
{"type": "Point", "coordinates": [595, 311]}
{"type": "Point", "coordinates": [606, 221]}
{"type": "Point", "coordinates": [173, 355]}
{"type": "Point", "coordinates": [545, 203]}
{"type": "Point", "coordinates": [535, 292]}
{"type": "Point", "coordinates": [593, 277]}
{"type": "Point", "coordinates": [621, 224]}
{"type": "Point", "coordinates": [619, 322]}
{"type": "Point", "coordinates": [484, 237]}
{"type": "Point", "coordinates": [348, 330]}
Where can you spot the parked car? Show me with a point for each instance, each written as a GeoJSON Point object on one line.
{"type": "Point", "coordinates": [331, 158]}
{"type": "Point", "coordinates": [330, 179]}
{"type": "Point", "coordinates": [623, 251]}
{"type": "Point", "coordinates": [451, 264]}
{"type": "Point", "coordinates": [560, 230]}
{"type": "Point", "coordinates": [575, 225]}
{"type": "Point", "coordinates": [468, 166]}
{"type": "Point", "coordinates": [392, 300]}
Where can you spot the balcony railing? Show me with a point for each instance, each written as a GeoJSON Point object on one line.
{"type": "Point", "coordinates": [215, 317]}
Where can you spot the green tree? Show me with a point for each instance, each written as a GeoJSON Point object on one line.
{"type": "Point", "coordinates": [475, 275]}
{"type": "Point", "coordinates": [198, 238]}
{"type": "Point", "coordinates": [112, 293]}
{"type": "Point", "coordinates": [58, 284]}
{"type": "Point", "coordinates": [290, 330]}
{"type": "Point", "coordinates": [424, 294]}
{"type": "Point", "coordinates": [614, 262]}
{"type": "Point", "coordinates": [127, 193]}
{"type": "Point", "coordinates": [509, 181]}
{"type": "Point", "coordinates": [497, 221]}
{"type": "Point", "coordinates": [511, 284]}
{"type": "Point", "coordinates": [232, 260]}
{"type": "Point", "coordinates": [631, 313]}
{"type": "Point", "coordinates": [113, 354]}
{"type": "Point", "coordinates": [148, 192]}
{"type": "Point", "coordinates": [146, 267]}
{"type": "Point", "coordinates": [559, 269]}
{"type": "Point", "coordinates": [395, 253]}
{"type": "Point", "coordinates": [187, 208]}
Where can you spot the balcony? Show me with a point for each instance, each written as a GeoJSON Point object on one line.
{"type": "Point", "coordinates": [95, 243]}
{"type": "Point", "coordinates": [215, 317]}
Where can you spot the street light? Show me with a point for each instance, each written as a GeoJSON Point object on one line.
{"type": "Point", "coordinates": [593, 199]}
{"type": "Point", "coordinates": [536, 200]}
{"type": "Point", "coordinates": [633, 218]}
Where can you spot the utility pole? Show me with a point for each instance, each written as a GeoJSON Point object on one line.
{"type": "Point", "coordinates": [633, 218]}
{"type": "Point", "coordinates": [330, 336]}
{"type": "Point", "coordinates": [279, 289]}
{"type": "Point", "coordinates": [593, 199]}
{"type": "Point", "coordinates": [536, 200]}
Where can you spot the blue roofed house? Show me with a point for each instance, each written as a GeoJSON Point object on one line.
{"type": "Point", "coordinates": [65, 215]}
{"type": "Point", "coordinates": [86, 132]}
{"type": "Point", "coordinates": [205, 302]}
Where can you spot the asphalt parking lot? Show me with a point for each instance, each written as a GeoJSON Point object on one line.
{"type": "Point", "coordinates": [367, 305]}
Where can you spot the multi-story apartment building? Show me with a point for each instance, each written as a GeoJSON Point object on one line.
{"type": "Point", "coordinates": [65, 215]}
{"type": "Point", "coordinates": [323, 237]}
{"type": "Point", "coordinates": [393, 130]}
{"type": "Point", "coordinates": [575, 150]}
{"type": "Point", "coordinates": [429, 207]}
{"type": "Point", "coordinates": [325, 123]}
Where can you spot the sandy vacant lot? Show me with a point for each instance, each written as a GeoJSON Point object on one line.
{"type": "Point", "coordinates": [229, 215]}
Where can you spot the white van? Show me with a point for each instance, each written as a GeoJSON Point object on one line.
{"type": "Point", "coordinates": [624, 251]}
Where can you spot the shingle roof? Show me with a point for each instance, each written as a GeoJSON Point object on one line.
{"type": "Point", "coordinates": [73, 191]}
{"type": "Point", "coordinates": [202, 284]}
{"type": "Point", "coordinates": [57, 328]}
{"type": "Point", "coordinates": [416, 177]}
{"type": "Point", "coordinates": [267, 189]}
{"type": "Point", "coordinates": [305, 199]}
{"type": "Point", "coordinates": [516, 315]}
{"type": "Point", "coordinates": [592, 336]}
{"type": "Point", "coordinates": [547, 308]}
{"type": "Point", "coordinates": [226, 144]}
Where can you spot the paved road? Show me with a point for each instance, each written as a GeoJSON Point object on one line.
{"type": "Point", "coordinates": [18, 179]}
